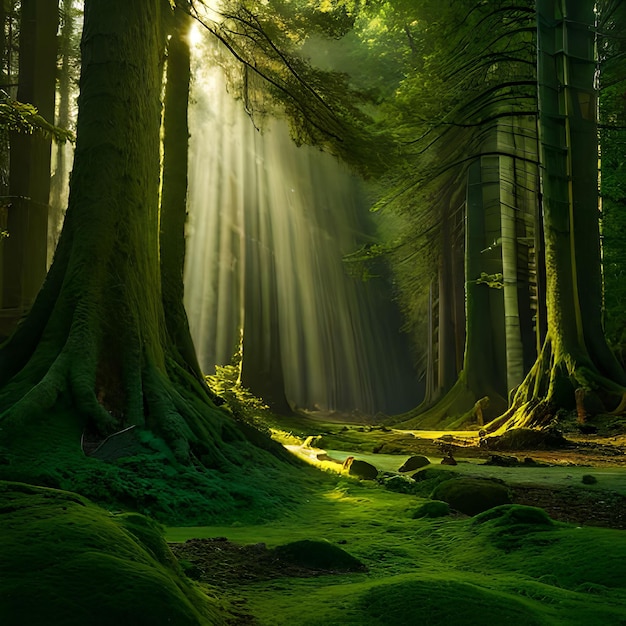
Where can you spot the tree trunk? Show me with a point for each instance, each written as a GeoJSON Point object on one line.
{"type": "Point", "coordinates": [574, 354]}
{"type": "Point", "coordinates": [25, 250]}
{"type": "Point", "coordinates": [63, 119]}
{"type": "Point", "coordinates": [96, 341]}
{"type": "Point", "coordinates": [174, 192]}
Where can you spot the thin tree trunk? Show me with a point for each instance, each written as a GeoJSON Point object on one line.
{"type": "Point", "coordinates": [63, 151]}
{"type": "Point", "coordinates": [24, 264]}
{"type": "Point", "coordinates": [174, 192]}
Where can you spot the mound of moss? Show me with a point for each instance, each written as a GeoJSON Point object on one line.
{"type": "Point", "coordinates": [472, 495]}
{"type": "Point", "coordinates": [318, 555]}
{"type": "Point", "coordinates": [513, 526]}
{"type": "Point", "coordinates": [432, 508]}
{"type": "Point", "coordinates": [67, 562]}
{"type": "Point", "coordinates": [513, 514]}
{"type": "Point", "coordinates": [443, 601]}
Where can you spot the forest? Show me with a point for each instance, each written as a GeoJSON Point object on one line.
{"type": "Point", "coordinates": [312, 312]}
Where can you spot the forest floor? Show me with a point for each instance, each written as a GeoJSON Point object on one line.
{"type": "Point", "coordinates": [516, 566]}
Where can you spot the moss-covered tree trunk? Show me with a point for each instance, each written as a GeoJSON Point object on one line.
{"type": "Point", "coordinates": [96, 342]}
{"type": "Point", "coordinates": [574, 354]}
{"type": "Point", "coordinates": [174, 191]}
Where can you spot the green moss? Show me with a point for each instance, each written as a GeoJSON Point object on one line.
{"type": "Point", "coordinates": [68, 562]}
{"type": "Point", "coordinates": [432, 508]}
{"type": "Point", "coordinates": [254, 486]}
{"type": "Point", "coordinates": [510, 514]}
{"type": "Point", "coordinates": [472, 495]}
{"type": "Point", "coordinates": [436, 601]}
{"type": "Point", "coordinates": [318, 555]}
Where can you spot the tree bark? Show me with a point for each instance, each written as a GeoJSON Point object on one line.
{"type": "Point", "coordinates": [25, 250]}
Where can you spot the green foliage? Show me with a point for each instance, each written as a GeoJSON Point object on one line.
{"type": "Point", "coordinates": [24, 118]}
{"type": "Point", "coordinates": [276, 75]}
{"type": "Point", "coordinates": [245, 406]}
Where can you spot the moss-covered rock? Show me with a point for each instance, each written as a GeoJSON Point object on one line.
{"type": "Point", "coordinates": [399, 484]}
{"type": "Point", "coordinates": [318, 555]}
{"type": "Point", "coordinates": [361, 469]}
{"type": "Point", "coordinates": [509, 527]}
{"type": "Point", "coordinates": [472, 495]}
{"type": "Point", "coordinates": [67, 562]}
{"type": "Point", "coordinates": [432, 508]}
{"type": "Point", "coordinates": [413, 463]}
{"type": "Point", "coordinates": [589, 479]}
{"type": "Point", "coordinates": [509, 514]}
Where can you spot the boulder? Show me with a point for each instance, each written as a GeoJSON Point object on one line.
{"type": "Point", "coordinates": [472, 495]}
{"type": "Point", "coordinates": [413, 463]}
{"type": "Point", "coordinates": [362, 469]}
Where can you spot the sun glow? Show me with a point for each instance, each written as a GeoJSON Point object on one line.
{"type": "Point", "coordinates": [195, 34]}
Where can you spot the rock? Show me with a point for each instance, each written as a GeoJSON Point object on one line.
{"type": "Point", "coordinates": [448, 460]}
{"type": "Point", "coordinates": [432, 508]}
{"type": "Point", "coordinates": [588, 479]}
{"type": "Point", "coordinates": [361, 469]}
{"type": "Point", "coordinates": [502, 460]}
{"type": "Point", "coordinates": [413, 463]}
{"type": "Point", "coordinates": [472, 495]}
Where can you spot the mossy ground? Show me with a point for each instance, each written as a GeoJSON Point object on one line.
{"type": "Point", "coordinates": [252, 487]}
{"type": "Point", "coordinates": [433, 571]}
{"type": "Point", "coordinates": [513, 565]}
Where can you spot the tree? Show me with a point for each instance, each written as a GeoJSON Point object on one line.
{"type": "Point", "coordinates": [575, 354]}
{"type": "Point", "coordinates": [24, 252]}
{"type": "Point", "coordinates": [95, 355]}
{"type": "Point", "coordinates": [463, 116]}
{"type": "Point", "coordinates": [612, 115]}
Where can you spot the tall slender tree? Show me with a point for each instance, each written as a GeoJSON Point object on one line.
{"type": "Point", "coordinates": [24, 252]}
